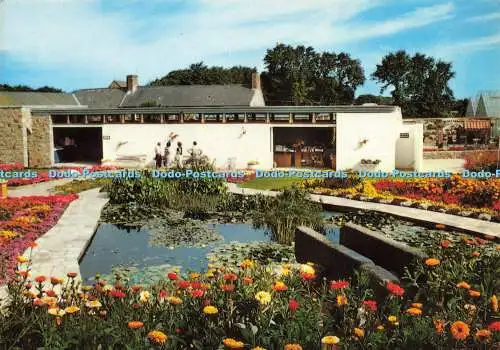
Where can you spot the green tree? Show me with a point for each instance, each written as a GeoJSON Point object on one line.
{"type": "Point", "coordinates": [25, 88]}
{"type": "Point", "coordinates": [420, 83]}
{"type": "Point", "coordinates": [299, 75]}
{"type": "Point", "coordinates": [200, 74]}
{"type": "Point", "coordinates": [369, 98]}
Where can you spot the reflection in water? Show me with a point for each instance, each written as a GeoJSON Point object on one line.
{"type": "Point", "coordinates": [123, 245]}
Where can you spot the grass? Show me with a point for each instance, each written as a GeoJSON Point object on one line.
{"type": "Point", "coordinates": [77, 186]}
{"type": "Point", "coordinates": [266, 183]}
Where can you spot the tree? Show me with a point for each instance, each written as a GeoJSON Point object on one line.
{"type": "Point", "coordinates": [369, 98]}
{"type": "Point", "coordinates": [299, 75]}
{"type": "Point", "coordinates": [200, 74]}
{"type": "Point", "coordinates": [25, 88]}
{"type": "Point", "coordinates": [420, 83]}
{"type": "Point", "coordinates": [460, 107]}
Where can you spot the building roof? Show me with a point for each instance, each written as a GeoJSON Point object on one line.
{"type": "Point", "coordinates": [17, 98]}
{"type": "Point", "coordinates": [488, 104]}
{"type": "Point", "coordinates": [100, 98]}
{"type": "Point", "coordinates": [190, 95]}
{"type": "Point", "coordinates": [118, 84]}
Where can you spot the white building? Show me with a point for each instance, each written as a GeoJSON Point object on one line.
{"type": "Point", "coordinates": [231, 124]}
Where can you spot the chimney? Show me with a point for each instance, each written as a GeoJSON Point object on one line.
{"type": "Point", "coordinates": [131, 83]}
{"type": "Point", "coordinates": [256, 80]}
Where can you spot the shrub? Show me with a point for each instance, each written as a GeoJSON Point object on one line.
{"type": "Point", "coordinates": [477, 161]}
{"type": "Point", "coordinates": [282, 214]}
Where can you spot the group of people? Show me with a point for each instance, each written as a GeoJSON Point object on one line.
{"type": "Point", "coordinates": [169, 158]}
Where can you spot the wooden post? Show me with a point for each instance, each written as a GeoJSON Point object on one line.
{"type": "Point", "coordinates": [267, 118]}
{"type": "Point", "coordinates": [104, 118]}
{"type": "Point", "coordinates": [85, 119]}
{"type": "Point", "coordinates": [181, 117]}
{"type": "Point", "coordinates": [67, 119]}
{"type": "Point", "coordinates": [313, 118]}
{"type": "Point", "coordinates": [245, 118]}
{"type": "Point", "coordinates": [224, 120]}
{"type": "Point", "coordinates": [142, 118]}
{"type": "Point", "coordinates": [122, 118]}
{"type": "Point", "coordinates": [162, 118]}
{"type": "Point", "coordinates": [290, 118]}
{"type": "Point", "coordinates": [202, 118]}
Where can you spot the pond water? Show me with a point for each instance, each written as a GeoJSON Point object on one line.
{"type": "Point", "coordinates": [115, 246]}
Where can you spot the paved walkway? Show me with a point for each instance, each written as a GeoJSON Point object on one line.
{"type": "Point", "coordinates": [60, 249]}
{"type": "Point", "coordinates": [452, 221]}
{"type": "Point", "coordinates": [39, 189]}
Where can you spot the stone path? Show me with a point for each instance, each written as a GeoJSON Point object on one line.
{"type": "Point", "coordinates": [452, 221]}
{"type": "Point", "coordinates": [39, 189]}
{"type": "Point", "coordinates": [60, 249]}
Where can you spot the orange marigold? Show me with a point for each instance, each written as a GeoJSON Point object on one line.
{"type": "Point", "coordinates": [460, 330]}
{"type": "Point", "coordinates": [293, 347]}
{"type": "Point", "coordinates": [233, 344]}
{"type": "Point", "coordinates": [483, 333]}
{"type": "Point", "coordinates": [463, 285]}
{"type": "Point", "coordinates": [494, 303]}
{"type": "Point", "coordinates": [439, 326]}
{"type": "Point", "coordinates": [157, 337]}
{"type": "Point", "coordinates": [432, 262]}
{"type": "Point", "coordinates": [417, 305]}
{"type": "Point", "coordinates": [414, 311]}
{"type": "Point", "coordinates": [359, 332]}
{"type": "Point", "coordinates": [135, 324]}
{"type": "Point", "coordinates": [474, 293]}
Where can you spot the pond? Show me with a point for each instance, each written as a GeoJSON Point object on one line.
{"type": "Point", "coordinates": [130, 250]}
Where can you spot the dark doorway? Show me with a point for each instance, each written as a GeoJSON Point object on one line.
{"type": "Point", "coordinates": [304, 147]}
{"type": "Point", "coordinates": [79, 144]}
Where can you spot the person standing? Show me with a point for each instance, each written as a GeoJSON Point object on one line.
{"type": "Point", "coordinates": [158, 158]}
{"type": "Point", "coordinates": [167, 157]}
{"type": "Point", "coordinates": [178, 155]}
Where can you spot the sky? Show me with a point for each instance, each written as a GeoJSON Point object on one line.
{"type": "Point", "coordinates": [74, 44]}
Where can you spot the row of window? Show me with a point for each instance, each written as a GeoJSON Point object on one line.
{"type": "Point", "coordinates": [189, 118]}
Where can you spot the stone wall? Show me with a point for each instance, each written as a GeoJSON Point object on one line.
{"type": "Point", "coordinates": [13, 145]}
{"type": "Point", "coordinates": [39, 141]}
{"type": "Point", "coordinates": [455, 154]}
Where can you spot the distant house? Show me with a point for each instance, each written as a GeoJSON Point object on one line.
{"type": "Point", "coordinates": [486, 105]}
{"type": "Point", "coordinates": [129, 94]}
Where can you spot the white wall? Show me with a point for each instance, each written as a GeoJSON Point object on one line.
{"type": "Point", "coordinates": [381, 130]}
{"type": "Point", "coordinates": [410, 151]}
{"type": "Point", "coordinates": [217, 141]}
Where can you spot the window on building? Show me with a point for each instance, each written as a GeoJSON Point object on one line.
{"type": "Point", "coordinates": [280, 117]}
{"type": "Point", "coordinates": [192, 117]}
{"type": "Point", "coordinates": [302, 117]}
{"type": "Point", "coordinates": [59, 119]}
{"type": "Point", "coordinates": [257, 117]}
{"type": "Point", "coordinates": [152, 118]}
{"type": "Point", "coordinates": [235, 117]}
{"type": "Point", "coordinates": [172, 118]}
{"type": "Point", "coordinates": [113, 119]}
{"type": "Point", "coordinates": [94, 119]}
{"type": "Point", "coordinates": [213, 117]}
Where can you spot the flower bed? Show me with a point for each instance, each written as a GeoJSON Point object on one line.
{"type": "Point", "coordinates": [23, 220]}
{"type": "Point", "coordinates": [43, 175]}
{"type": "Point", "coordinates": [285, 306]}
{"type": "Point", "coordinates": [249, 175]}
{"type": "Point", "coordinates": [454, 195]}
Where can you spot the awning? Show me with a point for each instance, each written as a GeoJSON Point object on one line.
{"type": "Point", "coordinates": [477, 124]}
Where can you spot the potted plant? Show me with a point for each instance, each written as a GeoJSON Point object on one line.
{"type": "Point", "coordinates": [251, 164]}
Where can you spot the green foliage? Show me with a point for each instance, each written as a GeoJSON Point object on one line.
{"type": "Point", "coordinates": [200, 74]}
{"type": "Point", "coordinates": [25, 88]}
{"type": "Point", "coordinates": [77, 186]}
{"type": "Point", "coordinates": [299, 75]}
{"type": "Point", "coordinates": [282, 214]}
{"type": "Point", "coordinates": [420, 83]}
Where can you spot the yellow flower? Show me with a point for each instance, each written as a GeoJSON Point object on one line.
{"type": "Point", "coordinates": [194, 275]}
{"type": "Point", "coordinates": [341, 300]}
{"type": "Point", "coordinates": [107, 287]}
{"type": "Point", "coordinates": [359, 332]}
{"type": "Point", "coordinates": [174, 300]}
{"type": "Point", "coordinates": [330, 340]}
{"type": "Point", "coordinates": [93, 304]}
{"type": "Point", "coordinates": [55, 311]}
{"type": "Point", "coordinates": [71, 309]}
{"type": "Point", "coordinates": [263, 297]}
{"type": "Point", "coordinates": [209, 273]}
{"type": "Point", "coordinates": [21, 259]}
{"type": "Point", "coordinates": [307, 269]}
{"type": "Point", "coordinates": [50, 301]}
{"type": "Point", "coordinates": [293, 347]}
{"type": "Point", "coordinates": [258, 348]}
{"type": "Point", "coordinates": [432, 262]}
{"type": "Point", "coordinates": [157, 337]}
{"type": "Point", "coordinates": [392, 319]}
{"type": "Point", "coordinates": [417, 305]}
{"type": "Point", "coordinates": [247, 264]}
{"type": "Point", "coordinates": [144, 296]}
{"type": "Point", "coordinates": [210, 310]}
{"type": "Point", "coordinates": [494, 303]}
{"type": "Point", "coordinates": [233, 344]}
{"type": "Point", "coordinates": [380, 328]}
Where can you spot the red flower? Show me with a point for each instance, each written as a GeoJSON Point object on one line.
{"type": "Point", "coordinates": [230, 277]}
{"type": "Point", "coordinates": [370, 305]}
{"type": "Point", "coordinates": [179, 330]}
{"type": "Point", "coordinates": [136, 289]}
{"type": "Point", "coordinates": [40, 279]}
{"type": "Point", "coordinates": [183, 284]}
{"type": "Point", "coordinates": [135, 306]}
{"type": "Point", "coordinates": [206, 302]}
{"type": "Point", "coordinates": [117, 294]}
{"type": "Point", "coordinates": [227, 287]}
{"type": "Point", "coordinates": [50, 293]}
{"type": "Point", "coordinates": [172, 276]}
{"type": "Point", "coordinates": [494, 326]}
{"type": "Point", "coordinates": [338, 285]}
{"type": "Point", "coordinates": [72, 274]}
{"type": "Point", "coordinates": [293, 304]}
{"type": "Point", "coordinates": [163, 294]}
{"type": "Point", "coordinates": [445, 243]}
{"type": "Point", "coordinates": [197, 293]}
{"type": "Point", "coordinates": [395, 289]}
{"type": "Point", "coordinates": [247, 280]}
{"type": "Point", "coordinates": [196, 285]}
{"type": "Point", "coordinates": [307, 276]}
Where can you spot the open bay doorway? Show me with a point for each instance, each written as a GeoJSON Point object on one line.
{"type": "Point", "coordinates": [304, 147]}
{"type": "Point", "coordinates": [77, 145]}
